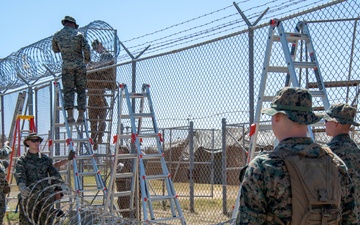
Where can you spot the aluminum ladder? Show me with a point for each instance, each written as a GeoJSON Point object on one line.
{"type": "Point", "coordinates": [292, 71]}
{"type": "Point", "coordinates": [148, 137]}
{"type": "Point", "coordinates": [63, 137]}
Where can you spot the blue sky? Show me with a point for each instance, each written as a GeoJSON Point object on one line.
{"type": "Point", "coordinates": [26, 22]}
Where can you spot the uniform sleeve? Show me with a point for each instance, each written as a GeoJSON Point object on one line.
{"type": "Point", "coordinates": [20, 175]}
{"type": "Point", "coordinates": [252, 202]}
{"type": "Point", "coordinates": [55, 46]}
{"type": "Point", "coordinates": [349, 212]}
{"type": "Point", "coordinates": [53, 172]}
{"type": "Point", "coordinates": [86, 49]}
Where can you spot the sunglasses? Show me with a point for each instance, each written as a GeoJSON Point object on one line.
{"type": "Point", "coordinates": [34, 140]}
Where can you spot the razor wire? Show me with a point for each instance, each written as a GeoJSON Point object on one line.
{"type": "Point", "coordinates": [31, 64]}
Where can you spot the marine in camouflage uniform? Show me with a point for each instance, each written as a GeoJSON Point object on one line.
{"type": "Point", "coordinates": [98, 82]}
{"type": "Point", "coordinates": [4, 185]}
{"type": "Point", "coordinates": [32, 172]}
{"type": "Point", "coordinates": [75, 53]}
{"type": "Point", "coordinates": [338, 120]}
{"type": "Point", "coordinates": [266, 186]}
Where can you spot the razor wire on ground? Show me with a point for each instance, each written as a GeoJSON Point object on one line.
{"type": "Point", "coordinates": [70, 208]}
{"type": "Point", "coordinates": [203, 84]}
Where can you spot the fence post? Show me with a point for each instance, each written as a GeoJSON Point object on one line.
{"type": "Point", "coordinates": [223, 163]}
{"type": "Point", "coordinates": [191, 165]}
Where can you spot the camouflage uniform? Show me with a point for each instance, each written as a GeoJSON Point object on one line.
{"type": "Point", "coordinates": [29, 169]}
{"type": "Point", "coordinates": [75, 53]}
{"type": "Point", "coordinates": [344, 146]}
{"type": "Point", "coordinates": [266, 186]}
{"type": "Point", "coordinates": [3, 182]}
{"type": "Point", "coordinates": [96, 91]}
{"type": "Point", "coordinates": [124, 184]}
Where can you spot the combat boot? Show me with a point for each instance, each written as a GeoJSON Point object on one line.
{"type": "Point", "coordinates": [70, 114]}
{"type": "Point", "coordinates": [80, 118]}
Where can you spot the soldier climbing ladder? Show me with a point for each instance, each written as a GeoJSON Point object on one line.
{"type": "Point", "coordinates": [75, 137]}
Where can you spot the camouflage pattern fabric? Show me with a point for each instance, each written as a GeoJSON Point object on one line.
{"type": "Point", "coordinates": [3, 182]}
{"type": "Point", "coordinates": [75, 53]}
{"type": "Point", "coordinates": [97, 115]}
{"type": "Point", "coordinates": [295, 103]}
{"type": "Point", "coordinates": [124, 184]}
{"type": "Point", "coordinates": [29, 169]}
{"type": "Point", "coordinates": [343, 146]}
{"type": "Point", "coordinates": [341, 113]}
{"type": "Point", "coordinates": [266, 189]}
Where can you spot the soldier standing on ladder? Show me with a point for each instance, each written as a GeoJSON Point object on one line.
{"type": "Point", "coordinates": [75, 54]}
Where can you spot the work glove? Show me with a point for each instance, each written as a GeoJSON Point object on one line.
{"type": "Point", "coordinates": [24, 191]}
{"type": "Point", "coordinates": [6, 187]}
{"type": "Point", "coordinates": [65, 188]}
{"type": "Point", "coordinates": [7, 147]}
{"type": "Point", "coordinates": [71, 155]}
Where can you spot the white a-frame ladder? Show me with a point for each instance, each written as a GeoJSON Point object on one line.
{"type": "Point", "coordinates": [75, 137]}
{"type": "Point", "coordinates": [135, 111]}
{"type": "Point", "coordinates": [289, 44]}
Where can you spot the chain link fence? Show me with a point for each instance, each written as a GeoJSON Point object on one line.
{"type": "Point", "coordinates": [204, 100]}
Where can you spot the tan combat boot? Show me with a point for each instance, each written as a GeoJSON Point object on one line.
{"type": "Point", "coordinates": [70, 114]}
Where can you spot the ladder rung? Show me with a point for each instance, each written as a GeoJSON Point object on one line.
{"type": "Point", "coordinates": [137, 95]}
{"type": "Point", "coordinates": [84, 157]}
{"type": "Point", "coordinates": [267, 98]}
{"type": "Point", "coordinates": [317, 93]}
{"type": "Point", "coordinates": [127, 156]}
{"type": "Point", "coordinates": [152, 156]}
{"type": "Point", "coordinates": [304, 64]}
{"type": "Point", "coordinates": [264, 127]}
{"type": "Point", "coordinates": [166, 219]}
{"type": "Point", "coordinates": [84, 174]}
{"type": "Point", "coordinates": [160, 198]}
{"type": "Point", "coordinates": [124, 175]}
{"type": "Point", "coordinates": [122, 194]}
{"type": "Point", "coordinates": [156, 177]}
{"type": "Point", "coordinates": [292, 37]}
{"type": "Point", "coordinates": [278, 69]}
{"type": "Point", "coordinates": [137, 115]}
{"type": "Point", "coordinates": [90, 190]}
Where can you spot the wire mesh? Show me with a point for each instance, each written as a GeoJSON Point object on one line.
{"type": "Point", "coordinates": [203, 84]}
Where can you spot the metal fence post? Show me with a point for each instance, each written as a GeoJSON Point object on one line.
{"type": "Point", "coordinates": [191, 166]}
{"type": "Point", "coordinates": [223, 144]}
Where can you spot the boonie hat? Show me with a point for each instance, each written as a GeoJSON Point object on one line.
{"type": "Point", "coordinates": [95, 44]}
{"type": "Point", "coordinates": [295, 103]}
{"type": "Point", "coordinates": [70, 19]}
{"type": "Point", "coordinates": [32, 136]}
{"type": "Point", "coordinates": [341, 113]}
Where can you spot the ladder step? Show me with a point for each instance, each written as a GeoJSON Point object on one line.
{"type": "Point", "coordinates": [137, 95]}
{"type": "Point", "coordinates": [152, 156]}
{"type": "Point", "coordinates": [317, 93]}
{"type": "Point", "coordinates": [292, 37]}
{"type": "Point", "coordinates": [78, 157]}
{"type": "Point", "coordinates": [304, 64]}
{"type": "Point", "coordinates": [122, 193]}
{"type": "Point", "coordinates": [161, 197]}
{"type": "Point", "coordinates": [85, 174]}
{"type": "Point", "coordinates": [267, 98]}
{"type": "Point", "coordinates": [137, 115]}
{"type": "Point", "coordinates": [278, 69]}
{"type": "Point", "coordinates": [264, 127]}
{"type": "Point", "coordinates": [124, 175]}
{"type": "Point", "coordinates": [90, 190]}
{"type": "Point", "coordinates": [157, 177]}
{"type": "Point", "coordinates": [141, 135]}
{"type": "Point", "coordinates": [127, 156]}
